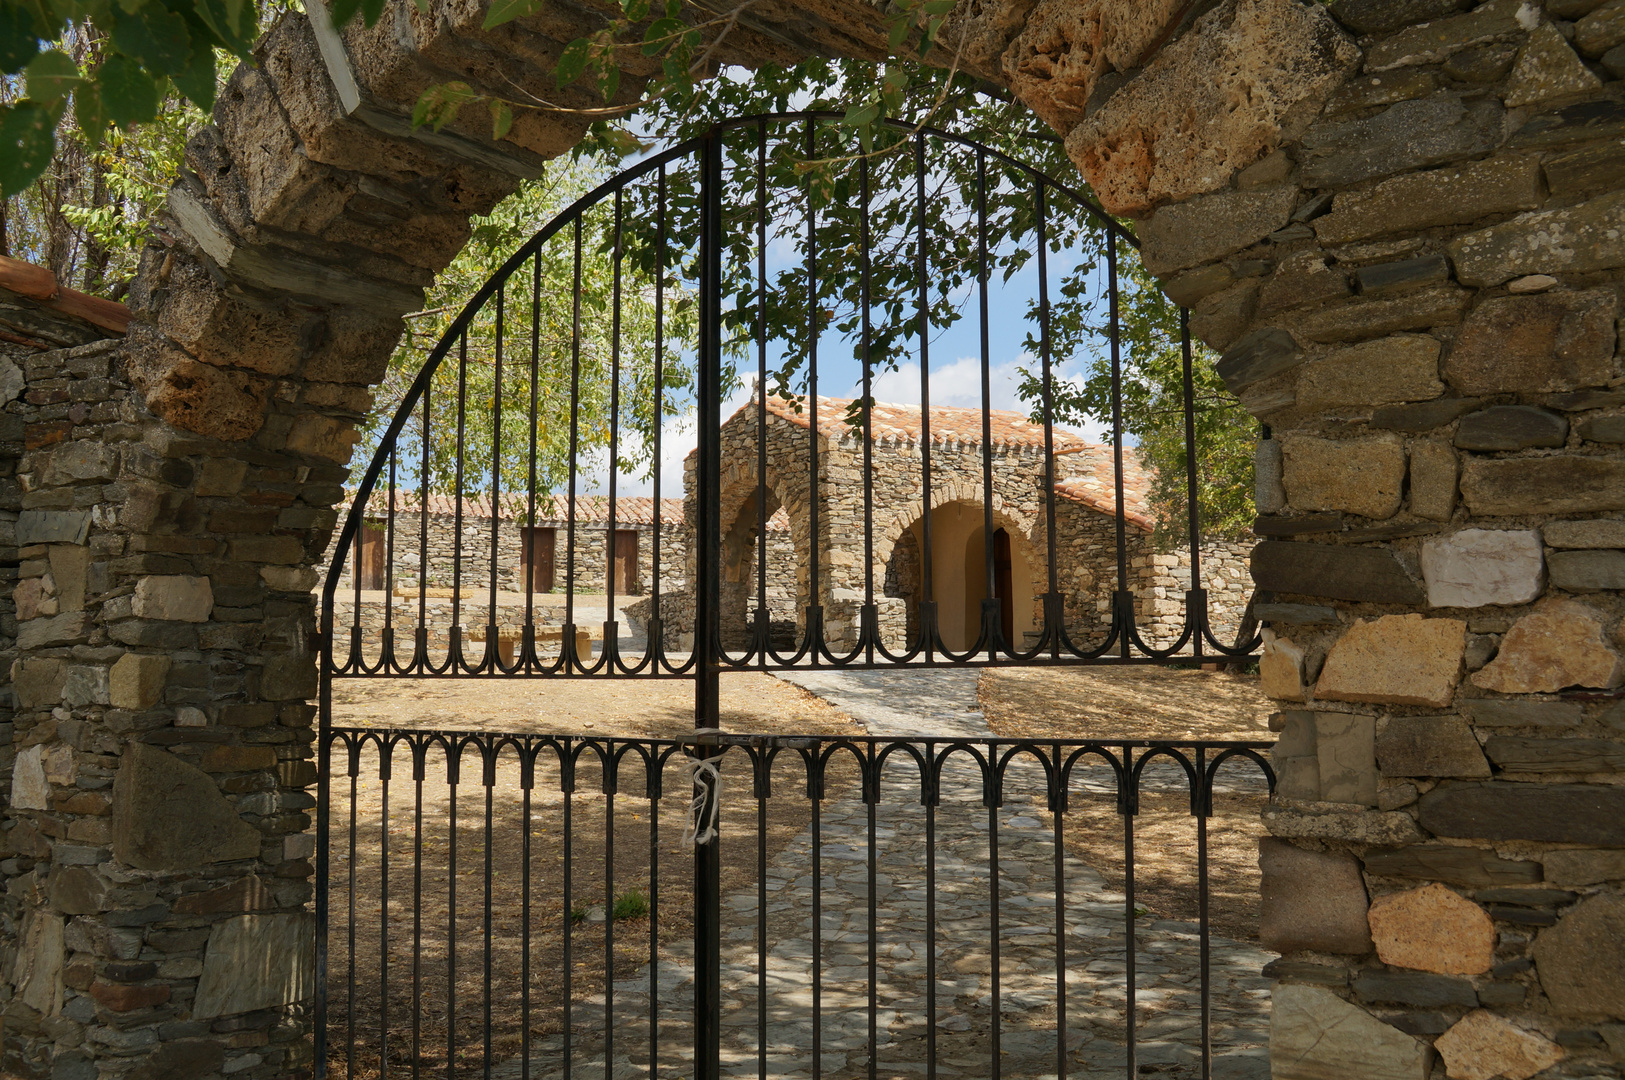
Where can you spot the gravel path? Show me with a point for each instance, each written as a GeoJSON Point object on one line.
{"type": "Point", "coordinates": [902, 703]}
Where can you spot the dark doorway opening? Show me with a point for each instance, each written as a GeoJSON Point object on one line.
{"type": "Point", "coordinates": [536, 557]}
{"type": "Point", "coordinates": [624, 564]}
{"type": "Point", "coordinates": [369, 556]}
{"type": "Point", "coordinates": [1001, 583]}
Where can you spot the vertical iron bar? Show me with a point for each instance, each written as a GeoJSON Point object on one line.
{"type": "Point", "coordinates": [609, 921]}
{"type": "Point", "coordinates": [817, 828]}
{"type": "Point", "coordinates": [930, 927]}
{"type": "Point", "coordinates": [454, 766]}
{"type": "Point", "coordinates": [654, 929]}
{"type": "Point", "coordinates": [1060, 929]}
{"type": "Point", "coordinates": [527, 769]}
{"type": "Point", "coordinates": [349, 1007]}
{"type": "Point", "coordinates": [1122, 604]}
{"type": "Point", "coordinates": [383, 915]}
{"type": "Point", "coordinates": [993, 927]}
{"type": "Point", "coordinates": [527, 537]}
{"type": "Point", "coordinates": [660, 404]}
{"type": "Point", "coordinates": [761, 928]}
{"type": "Point", "coordinates": [1191, 507]}
{"type": "Point", "coordinates": [420, 646]}
{"type": "Point", "coordinates": [874, 938]}
{"type": "Point", "coordinates": [490, 789]}
{"type": "Point", "coordinates": [568, 660]}
{"type": "Point", "coordinates": [865, 282]}
{"type": "Point", "coordinates": [988, 568]}
{"type": "Point", "coordinates": [761, 413]}
{"type": "Point", "coordinates": [567, 782]}
{"type": "Point", "coordinates": [813, 329]}
{"type": "Point", "coordinates": [707, 865]}
{"type": "Point", "coordinates": [926, 558]}
{"type": "Point", "coordinates": [457, 494]}
{"type": "Point", "coordinates": [388, 662]}
{"type": "Point", "coordinates": [1204, 808]}
{"type": "Point", "coordinates": [1128, 915]}
{"type": "Point", "coordinates": [417, 913]}
{"type": "Point", "coordinates": [492, 645]}
{"type": "Point", "coordinates": [1051, 547]}
{"type": "Point", "coordinates": [614, 432]}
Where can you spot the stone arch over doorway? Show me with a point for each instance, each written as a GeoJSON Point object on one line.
{"type": "Point", "coordinates": [1414, 276]}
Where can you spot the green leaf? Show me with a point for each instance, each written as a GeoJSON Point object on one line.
{"type": "Point", "coordinates": [342, 11]}
{"type": "Point", "coordinates": [501, 118]}
{"type": "Point", "coordinates": [52, 76]}
{"type": "Point", "coordinates": [129, 94]}
{"type": "Point", "coordinates": [572, 62]}
{"type": "Point", "coordinates": [197, 82]}
{"type": "Point", "coordinates": [610, 81]}
{"type": "Point", "coordinates": [27, 141]}
{"type": "Point", "coordinates": [19, 38]}
{"type": "Point", "coordinates": [861, 115]}
{"type": "Point", "coordinates": [156, 37]}
{"type": "Point", "coordinates": [88, 112]}
{"type": "Point", "coordinates": [438, 104]}
{"type": "Point", "coordinates": [660, 35]}
{"type": "Point", "coordinates": [236, 24]}
{"type": "Point", "coordinates": [508, 10]}
{"type": "Point", "coordinates": [371, 11]}
{"type": "Point", "coordinates": [636, 10]}
{"type": "Point", "coordinates": [898, 32]}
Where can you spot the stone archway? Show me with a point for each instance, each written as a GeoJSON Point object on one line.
{"type": "Point", "coordinates": [1414, 275]}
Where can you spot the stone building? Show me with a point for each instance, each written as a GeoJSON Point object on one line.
{"type": "Point", "coordinates": [1402, 222]}
{"type": "Point", "coordinates": [1086, 543]}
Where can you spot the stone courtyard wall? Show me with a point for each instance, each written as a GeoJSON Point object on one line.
{"type": "Point", "coordinates": [1363, 212]}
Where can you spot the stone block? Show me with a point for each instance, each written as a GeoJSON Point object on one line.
{"type": "Point", "coordinates": [1269, 496]}
{"type": "Point", "coordinates": [1484, 1046]}
{"type": "Point", "coordinates": [182, 1059]}
{"type": "Point", "coordinates": [324, 437]}
{"type": "Point", "coordinates": [1311, 900]}
{"type": "Point", "coordinates": [1430, 746]}
{"type": "Point", "coordinates": [1602, 429]}
{"type": "Point", "coordinates": [1371, 575]}
{"type": "Point", "coordinates": [29, 788]}
{"type": "Point", "coordinates": [86, 684]}
{"type": "Point", "coordinates": [1438, 39]}
{"type": "Point", "coordinates": [1559, 484]}
{"type": "Point", "coordinates": [1581, 960]}
{"type": "Point", "coordinates": [1585, 756]}
{"type": "Point", "coordinates": [1496, 712]}
{"type": "Point", "coordinates": [1546, 69]}
{"type": "Point", "coordinates": [1280, 669]}
{"type": "Point", "coordinates": [1395, 659]}
{"type": "Point", "coordinates": [1601, 30]}
{"type": "Point", "coordinates": [65, 629]}
{"type": "Point", "coordinates": [1414, 988]}
{"type": "Point", "coordinates": [220, 476]}
{"type": "Point", "coordinates": [283, 550]}
{"type": "Point", "coordinates": [173, 597]}
{"type": "Point", "coordinates": [137, 681]}
{"type": "Point", "coordinates": [1213, 101]}
{"type": "Point", "coordinates": [168, 815]}
{"type": "Point", "coordinates": [1212, 226]}
{"type": "Point", "coordinates": [1295, 759]}
{"type": "Point", "coordinates": [1367, 828]}
{"type": "Point", "coordinates": [1511, 427]}
{"type": "Point", "coordinates": [1404, 367]}
{"type": "Point", "coordinates": [1188, 288]}
{"type": "Point", "coordinates": [1433, 480]}
{"type": "Point", "coordinates": [1440, 197]}
{"type": "Point", "coordinates": [1258, 357]}
{"type": "Point", "coordinates": [289, 578]}
{"type": "Point", "coordinates": [1364, 318]}
{"type": "Point", "coordinates": [1407, 135]}
{"type": "Point", "coordinates": [1219, 319]}
{"type": "Point", "coordinates": [1553, 813]}
{"type": "Point", "coordinates": [256, 962]}
{"type": "Point", "coordinates": [1364, 476]}
{"type": "Point", "coordinates": [1345, 754]}
{"type": "Point", "coordinates": [36, 974]}
{"type": "Point", "coordinates": [52, 527]}
{"type": "Point", "coordinates": [1572, 868]}
{"type": "Point", "coordinates": [38, 681]}
{"type": "Point", "coordinates": [288, 678]}
{"type": "Point", "coordinates": [1316, 1035]}
{"type": "Point", "coordinates": [1561, 643]}
{"type": "Point", "coordinates": [1296, 614]}
{"type": "Point", "coordinates": [1381, 16]}
{"type": "Point", "coordinates": [1395, 277]}
{"type": "Point", "coordinates": [1588, 571]}
{"type": "Point", "coordinates": [1477, 567]}
{"type": "Point", "coordinates": [1586, 171]}
{"type": "Point", "coordinates": [239, 758]}
{"type": "Point", "coordinates": [81, 890]}
{"type": "Point", "coordinates": [1424, 416]}
{"type": "Point", "coordinates": [1457, 865]}
{"type": "Point", "coordinates": [1571, 240]}
{"type": "Point", "coordinates": [1432, 929]}
{"type": "Point", "coordinates": [1303, 278]}
{"type": "Point", "coordinates": [1548, 341]}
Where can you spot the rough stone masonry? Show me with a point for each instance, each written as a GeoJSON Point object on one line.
{"type": "Point", "coordinates": [1403, 222]}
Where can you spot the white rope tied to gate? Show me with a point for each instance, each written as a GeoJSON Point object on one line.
{"type": "Point", "coordinates": [702, 825]}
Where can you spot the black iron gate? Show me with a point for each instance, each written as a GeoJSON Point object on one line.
{"type": "Point", "coordinates": [810, 532]}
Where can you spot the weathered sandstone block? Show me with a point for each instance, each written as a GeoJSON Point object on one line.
{"type": "Point", "coordinates": [137, 681]}
{"type": "Point", "coordinates": [1571, 240]}
{"type": "Point", "coordinates": [1433, 929]}
{"type": "Point", "coordinates": [1435, 40]}
{"type": "Point", "coordinates": [1430, 746]}
{"type": "Point", "coordinates": [168, 815]}
{"type": "Point", "coordinates": [1334, 571]}
{"type": "Point", "coordinates": [1549, 341]}
{"type": "Point", "coordinates": [1433, 480]}
{"type": "Point", "coordinates": [1519, 755]}
{"type": "Point", "coordinates": [1588, 571]}
{"type": "Point", "coordinates": [1483, 1046]}
{"type": "Point", "coordinates": [1316, 1035]}
{"type": "Point", "coordinates": [1408, 135]}
{"type": "Point", "coordinates": [1404, 367]}
{"type": "Point", "coordinates": [1447, 196]}
{"type": "Point", "coordinates": [1511, 427]}
{"type": "Point", "coordinates": [1547, 68]}
{"type": "Point", "coordinates": [1581, 960]}
{"type": "Point", "coordinates": [1280, 669]}
{"type": "Point", "coordinates": [1571, 868]}
{"type": "Point", "coordinates": [1476, 567]}
{"type": "Point", "coordinates": [1247, 75]}
{"type": "Point", "coordinates": [1561, 643]}
{"type": "Point", "coordinates": [1554, 813]}
{"type": "Point", "coordinates": [1212, 227]}
{"type": "Point", "coordinates": [257, 962]}
{"type": "Point", "coordinates": [176, 597]}
{"type": "Point", "coordinates": [1396, 659]}
{"type": "Point", "coordinates": [1311, 900]}
{"type": "Point", "coordinates": [1363, 476]}
{"type": "Point", "coordinates": [1560, 484]}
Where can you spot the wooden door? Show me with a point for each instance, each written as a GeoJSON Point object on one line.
{"type": "Point", "coordinates": [1001, 584]}
{"type": "Point", "coordinates": [369, 554]}
{"type": "Point", "coordinates": [625, 562]}
{"type": "Point", "coordinates": [536, 556]}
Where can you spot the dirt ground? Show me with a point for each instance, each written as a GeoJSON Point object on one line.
{"type": "Point", "coordinates": [408, 998]}
{"type": "Point", "coordinates": [415, 966]}
{"type": "Point", "coordinates": [1145, 702]}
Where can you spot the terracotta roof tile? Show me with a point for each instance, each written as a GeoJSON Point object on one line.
{"type": "Point", "coordinates": [1094, 485]}
{"type": "Point", "coordinates": [903, 422]}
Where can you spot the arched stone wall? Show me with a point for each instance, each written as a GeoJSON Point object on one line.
{"type": "Point", "coordinates": [1327, 192]}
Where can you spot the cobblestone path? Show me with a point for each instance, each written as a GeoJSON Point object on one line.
{"type": "Point", "coordinates": [1167, 995]}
